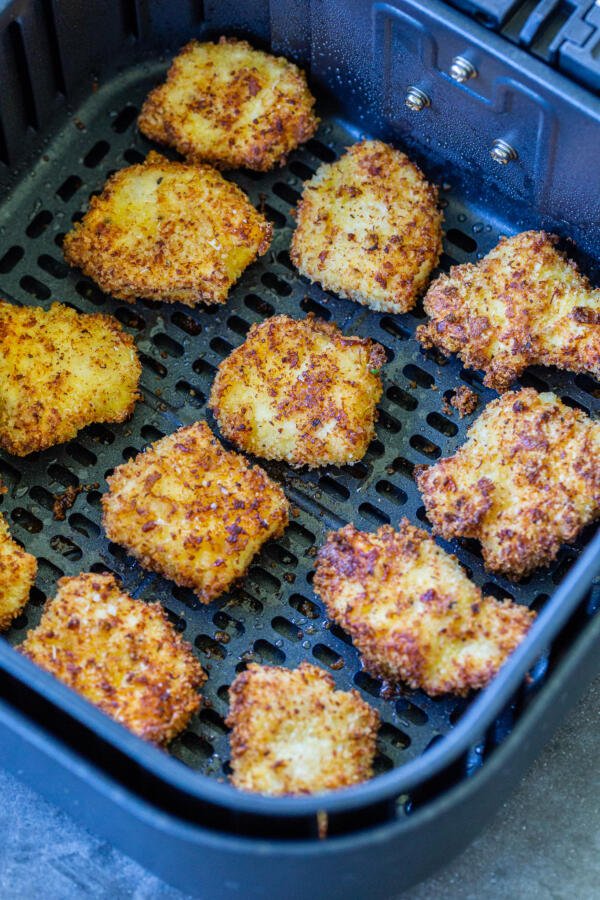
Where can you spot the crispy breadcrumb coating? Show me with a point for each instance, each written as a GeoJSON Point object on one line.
{"type": "Point", "coordinates": [121, 654]}
{"type": "Point", "coordinates": [293, 733]}
{"type": "Point", "coordinates": [526, 480]}
{"type": "Point", "coordinates": [17, 576]}
{"type": "Point", "coordinates": [523, 304]}
{"type": "Point", "coordinates": [60, 371]}
{"type": "Point", "coordinates": [412, 612]}
{"type": "Point", "coordinates": [193, 511]}
{"type": "Point", "coordinates": [230, 105]}
{"type": "Point", "coordinates": [299, 390]}
{"type": "Point", "coordinates": [369, 228]}
{"type": "Point", "coordinates": [168, 231]}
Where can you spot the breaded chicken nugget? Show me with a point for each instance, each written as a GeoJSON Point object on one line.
{"type": "Point", "coordinates": [168, 231]}
{"type": "Point", "coordinates": [230, 105]}
{"type": "Point", "coordinates": [293, 733]}
{"type": "Point", "coordinates": [526, 480]}
{"type": "Point", "coordinates": [369, 228]}
{"type": "Point", "coordinates": [17, 576]}
{"type": "Point", "coordinates": [299, 391]}
{"type": "Point", "coordinates": [193, 511]}
{"type": "Point", "coordinates": [524, 304]}
{"type": "Point", "coordinates": [121, 654]}
{"type": "Point", "coordinates": [412, 612]}
{"type": "Point", "coordinates": [60, 371]}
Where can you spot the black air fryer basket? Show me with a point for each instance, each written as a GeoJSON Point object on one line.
{"type": "Point", "coordinates": [73, 76]}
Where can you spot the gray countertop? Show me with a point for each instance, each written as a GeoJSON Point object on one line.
{"type": "Point", "coordinates": [544, 843]}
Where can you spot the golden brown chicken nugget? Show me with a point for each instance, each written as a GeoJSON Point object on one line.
{"type": "Point", "coordinates": [299, 390]}
{"type": "Point", "coordinates": [193, 511]}
{"type": "Point", "coordinates": [168, 231]}
{"type": "Point", "coordinates": [526, 480]}
{"type": "Point", "coordinates": [412, 612]}
{"type": "Point", "coordinates": [17, 576]}
{"type": "Point", "coordinates": [293, 733]}
{"type": "Point", "coordinates": [369, 228]}
{"type": "Point", "coordinates": [523, 304]}
{"type": "Point", "coordinates": [121, 654]}
{"type": "Point", "coordinates": [60, 371]}
{"type": "Point", "coordinates": [230, 105]}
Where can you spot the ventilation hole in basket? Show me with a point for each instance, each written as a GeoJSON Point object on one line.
{"type": "Point", "coordinates": [301, 170]}
{"type": "Point", "coordinates": [274, 283]}
{"type": "Point", "coordinates": [393, 736]}
{"type": "Point", "coordinates": [328, 657]}
{"type": "Point", "coordinates": [129, 318]}
{"type": "Point", "coordinates": [471, 546]}
{"type": "Point", "coordinates": [124, 119]}
{"type": "Point", "coordinates": [223, 693]}
{"type": "Point", "coordinates": [494, 590]}
{"type": "Point", "coordinates": [457, 713]}
{"type": "Point", "coordinates": [100, 568]}
{"type": "Point", "coordinates": [356, 470]}
{"type": "Point", "coordinates": [151, 434]}
{"type": "Point", "coordinates": [96, 154]}
{"type": "Point", "coordinates": [117, 551]}
{"type": "Point", "coordinates": [94, 499]}
{"type": "Point", "coordinates": [472, 377]}
{"type": "Point", "coordinates": [284, 258]}
{"type": "Point", "coordinates": [385, 420]}
{"type": "Point", "coordinates": [248, 604]}
{"type": "Point", "coordinates": [389, 354]}
{"type": "Point", "coordinates": [62, 475]}
{"type": "Point", "coordinates": [47, 571]}
{"type": "Point", "coordinates": [333, 489]}
{"type": "Point", "coordinates": [340, 634]}
{"type": "Point", "coordinates": [262, 581]}
{"type": "Point", "coordinates": [133, 157]}
{"type": "Point", "coordinates": [408, 712]}
{"type": "Point", "coordinates": [167, 346]}
{"type": "Point", "coordinates": [38, 225]}
{"type": "Point", "coordinates": [69, 187]}
{"type": "Point", "coordinates": [26, 520]}
{"type": "Point", "coordinates": [418, 376]}
{"type": "Point", "coordinates": [392, 327]}
{"type": "Point", "coordinates": [421, 514]}
{"type": "Point", "coordinates": [42, 496]}
{"type": "Point", "coordinates": [401, 398]}
{"type": "Point", "coordinates": [202, 367]}
{"type": "Point", "coordinates": [212, 718]}
{"type": "Point", "coordinates": [441, 424]}
{"type": "Point", "coordinates": [274, 216]}
{"type": "Point", "coordinates": [391, 492]}
{"type": "Point", "coordinates": [186, 323]}
{"type": "Point", "coordinates": [281, 555]}
{"type": "Point", "coordinates": [209, 647]}
{"type": "Point", "coordinates": [300, 537]}
{"type": "Point", "coordinates": [176, 621]}
{"type": "Point", "coordinates": [66, 547]}
{"type": "Point", "coordinates": [461, 240]}
{"type": "Point", "coordinates": [187, 597]}
{"type": "Point", "coordinates": [193, 395]}
{"type": "Point", "coordinates": [372, 514]}
{"type": "Point", "coordinates": [154, 365]}
{"type": "Point", "coordinates": [227, 623]}
{"type": "Point", "coordinates": [81, 454]}
{"type": "Point", "coordinates": [197, 745]}
{"type": "Point", "coordinates": [304, 606]}
{"type": "Point", "coordinates": [9, 475]}
{"type": "Point", "coordinates": [286, 629]}
{"type": "Point", "coordinates": [575, 404]}
{"type": "Point", "coordinates": [35, 287]}
{"type": "Point", "coordinates": [436, 356]}
{"type": "Point", "coordinates": [53, 266]}
{"type": "Point", "coordinates": [286, 192]}
{"type": "Point", "coordinates": [265, 652]}
{"type": "Point", "coordinates": [589, 385]}
{"type": "Point", "coordinates": [77, 217]}
{"type": "Point", "coordinates": [539, 602]}
{"type": "Point", "coordinates": [84, 526]}
{"type": "Point", "coordinates": [99, 434]}
{"type": "Point", "coordinates": [221, 346]}
{"type": "Point", "coordinates": [129, 453]}
{"type": "Point", "coordinates": [238, 326]}
{"type": "Point", "coordinates": [375, 450]}
{"type": "Point", "coordinates": [562, 568]}
{"type": "Point", "coordinates": [368, 684]}
{"type": "Point", "coordinates": [320, 150]}
{"type": "Point", "coordinates": [91, 292]}
{"type": "Point", "coordinates": [382, 764]}
{"type": "Point", "coordinates": [404, 467]}
{"type": "Point", "coordinates": [434, 740]}
{"type": "Point", "coordinates": [311, 306]}
{"type": "Point", "coordinates": [528, 379]}
{"type": "Point", "coordinates": [37, 597]}
{"type": "Point", "coordinates": [425, 446]}
{"type": "Point", "coordinates": [258, 305]}
{"type": "Point", "coordinates": [10, 259]}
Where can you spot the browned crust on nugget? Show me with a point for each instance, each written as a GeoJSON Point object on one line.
{"type": "Point", "coordinates": [17, 576]}
{"type": "Point", "coordinates": [293, 733]}
{"type": "Point", "coordinates": [230, 105]}
{"type": "Point", "coordinates": [300, 391]}
{"type": "Point", "coordinates": [60, 371]}
{"type": "Point", "coordinates": [121, 654]}
{"type": "Point", "coordinates": [168, 231]}
{"type": "Point", "coordinates": [526, 480]}
{"type": "Point", "coordinates": [524, 304]}
{"type": "Point", "coordinates": [369, 228]}
{"type": "Point", "coordinates": [193, 511]}
{"type": "Point", "coordinates": [412, 612]}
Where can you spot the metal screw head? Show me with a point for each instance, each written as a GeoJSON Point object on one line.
{"type": "Point", "coordinates": [416, 99]}
{"type": "Point", "coordinates": [502, 152]}
{"type": "Point", "coordinates": [462, 69]}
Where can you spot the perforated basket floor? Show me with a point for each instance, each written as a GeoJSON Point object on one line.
{"type": "Point", "coordinates": [273, 616]}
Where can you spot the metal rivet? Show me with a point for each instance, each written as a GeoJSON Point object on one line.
{"type": "Point", "coordinates": [502, 152]}
{"type": "Point", "coordinates": [416, 99]}
{"type": "Point", "coordinates": [462, 69]}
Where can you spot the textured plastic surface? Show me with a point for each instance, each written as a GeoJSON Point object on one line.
{"type": "Point", "coordinates": [274, 617]}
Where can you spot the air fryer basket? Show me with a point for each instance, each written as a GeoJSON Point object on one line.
{"type": "Point", "coordinates": [273, 616]}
